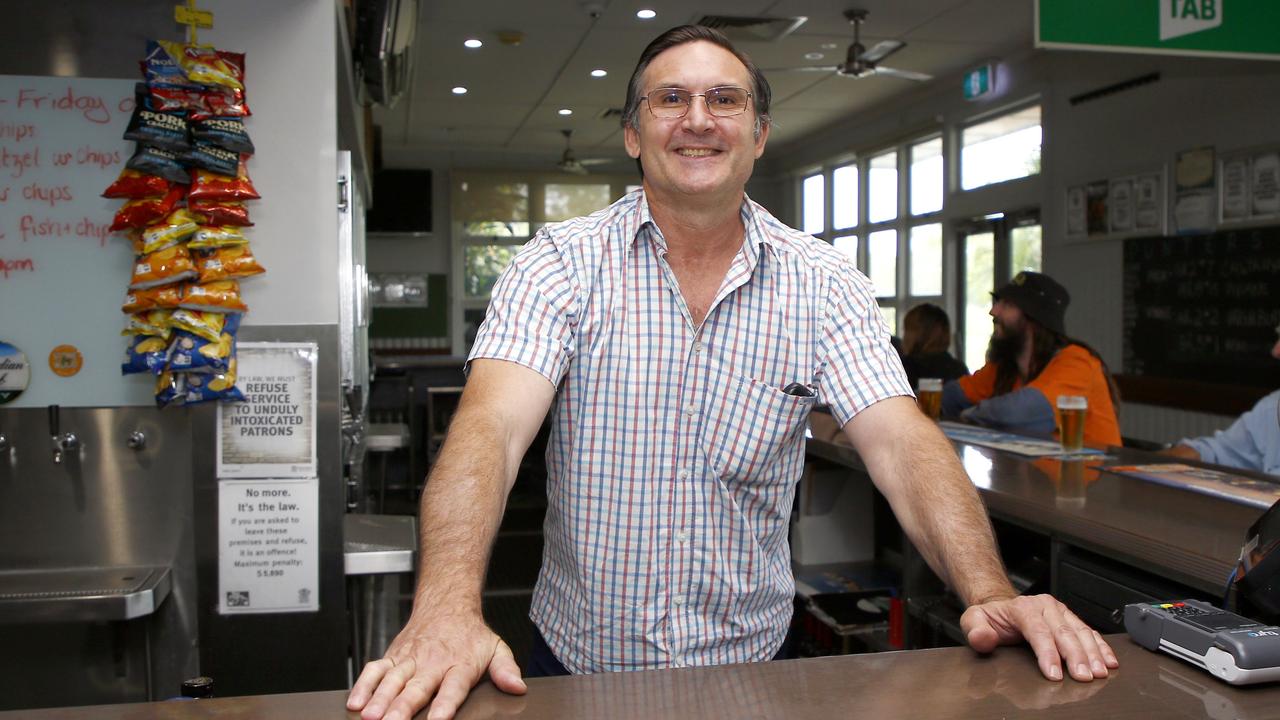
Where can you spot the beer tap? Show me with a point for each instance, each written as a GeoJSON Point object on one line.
{"type": "Point", "coordinates": [62, 442]}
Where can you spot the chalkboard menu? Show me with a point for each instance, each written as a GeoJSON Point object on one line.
{"type": "Point", "coordinates": [1203, 307]}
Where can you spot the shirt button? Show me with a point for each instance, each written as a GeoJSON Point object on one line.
{"type": "Point", "coordinates": [691, 411]}
{"type": "Point", "coordinates": [683, 475]}
{"type": "Point", "coordinates": [697, 347]}
{"type": "Point", "coordinates": [678, 600]}
{"type": "Point", "coordinates": [682, 536]}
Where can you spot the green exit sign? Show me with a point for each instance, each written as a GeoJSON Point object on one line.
{"type": "Point", "coordinates": [979, 82]}
{"type": "Point", "coordinates": [1218, 28]}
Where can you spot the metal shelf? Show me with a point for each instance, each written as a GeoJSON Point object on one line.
{"type": "Point", "coordinates": [82, 594]}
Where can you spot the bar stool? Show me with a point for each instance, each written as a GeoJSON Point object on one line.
{"type": "Point", "coordinates": [382, 439]}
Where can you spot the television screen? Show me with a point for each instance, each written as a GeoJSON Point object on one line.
{"type": "Point", "coordinates": [401, 202]}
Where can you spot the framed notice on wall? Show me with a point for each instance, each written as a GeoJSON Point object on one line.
{"type": "Point", "coordinates": [272, 434]}
{"type": "Point", "coordinates": [268, 549]}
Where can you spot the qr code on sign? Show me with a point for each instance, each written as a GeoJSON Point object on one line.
{"type": "Point", "coordinates": [239, 598]}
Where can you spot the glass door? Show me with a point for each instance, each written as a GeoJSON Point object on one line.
{"type": "Point", "coordinates": [993, 249]}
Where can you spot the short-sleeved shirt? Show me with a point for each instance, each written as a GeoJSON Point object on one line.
{"type": "Point", "coordinates": [674, 452]}
{"type": "Point", "coordinates": [1072, 371]}
{"type": "Point", "coordinates": [1252, 442]}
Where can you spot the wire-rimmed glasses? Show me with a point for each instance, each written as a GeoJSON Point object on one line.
{"type": "Point", "coordinates": [725, 101]}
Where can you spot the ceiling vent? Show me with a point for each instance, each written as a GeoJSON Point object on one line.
{"type": "Point", "coordinates": [758, 29]}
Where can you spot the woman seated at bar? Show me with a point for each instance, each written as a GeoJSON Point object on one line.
{"type": "Point", "coordinates": [926, 338]}
{"type": "Point", "coordinates": [1251, 443]}
{"type": "Point", "coordinates": [1031, 362]}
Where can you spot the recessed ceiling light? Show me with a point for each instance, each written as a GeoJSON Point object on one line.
{"type": "Point", "coordinates": [598, 73]}
{"type": "Point", "coordinates": [472, 43]}
{"type": "Point", "coordinates": [646, 14]}
{"type": "Point", "coordinates": [813, 56]}
{"type": "Point", "coordinates": [565, 111]}
{"type": "Point", "coordinates": [459, 90]}
{"type": "Point", "coordinates": [829, 46]}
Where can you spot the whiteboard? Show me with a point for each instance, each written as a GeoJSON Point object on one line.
{"type": "Point", "coordinates": [62, 276]}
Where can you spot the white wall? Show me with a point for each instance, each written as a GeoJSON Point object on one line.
{"type": "Point", "coordinates": [291, 88]}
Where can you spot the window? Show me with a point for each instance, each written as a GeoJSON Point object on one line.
{"type": "Point", "coordinates": [927, 183]}
{"type": "Point", "coordinates": [844, 197]}
{"type": "Point", "coordinates": [563, 201]}
{"type": "Point", "coordinates": [848, 245]}
{"type": "Point", "coordinates": [926, 260]}
{"type": "Point", "coordinates": [979, 281]}
{"type": "Point", "coordinates": [1004, 148]}
{"type": "Point", "coordinates": [813, 200]}
{"type": "Point", "coordinates": [882, 247]}
{"type": "Point", "coordinates": [882, 187]}
{"type": "Point", "coordinates": [1025, 249]}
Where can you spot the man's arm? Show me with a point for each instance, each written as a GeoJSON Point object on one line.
{"type": "Point", "coordinates": [914, 466]}
{"type": "Point", "coordinates": [445, 648]}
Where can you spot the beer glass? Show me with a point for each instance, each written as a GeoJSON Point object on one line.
{"type": "Point", "coordinates": [1071, 413]}
{"type": "Point", "coordinates": [929, 396]}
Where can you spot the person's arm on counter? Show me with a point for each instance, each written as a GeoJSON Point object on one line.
{"type": "Point", "coordinates": [445, 648]}
{"type": "Point", "coordinates": [914, 466]}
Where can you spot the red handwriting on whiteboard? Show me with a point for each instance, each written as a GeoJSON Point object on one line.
{"type": "Point", "coordinates": [16, 132]}
{"type": "Point", "coordinates": [13, 266]}
{"type": "Point", "coordinates": [18, 162]}
{"type": "Point", "coordinates": [86, 155]}
{"type": "Point", "coordinates": [32, 227]}
{"type": "Point", "coordinates": [52, 194]}
{"type": "Point", "coordinates": [91, 107]}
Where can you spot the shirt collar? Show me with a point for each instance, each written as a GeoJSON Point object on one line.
{"type": "Point", "coordinates": [755, 233]}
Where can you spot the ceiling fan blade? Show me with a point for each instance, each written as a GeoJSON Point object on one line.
{"type": "Point", "coordinates": [882, 50]}
{"type": "Point", "coordinates": [573, 167]}
{"type": "Point", "coordinates": [807, 68]}
{"type": "Point", "coordinates": [595, 161]}
{"type": "Point", "coordinates": [904, 74]}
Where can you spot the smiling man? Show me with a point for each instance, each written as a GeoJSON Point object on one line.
{"type": "Point", "coordinates": [679, 339]}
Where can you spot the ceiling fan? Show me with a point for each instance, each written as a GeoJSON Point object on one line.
{"type": "Point", "coordinates": [861, 62]}
{"type": "Point", "coordinates": [570, 163]}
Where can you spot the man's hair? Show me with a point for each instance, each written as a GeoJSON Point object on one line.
{"type": "Point", "coordinates": [926, 329]}
{"type": "Point", "coordinates": [1044, 345]}
{"type": "Point", "coordinates": [761, 95]}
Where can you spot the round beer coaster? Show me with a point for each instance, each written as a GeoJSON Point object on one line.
{"type": "Point", "coordinates": [65, 360]}
{"type": "Point", "coordinates": [15, 372]}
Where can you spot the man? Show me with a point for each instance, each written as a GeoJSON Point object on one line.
{"type": "Point", "coordinates": [1252, 442]}
{"type": "Point", "coordinates": [683, 335]}
{"type": "Point", "coordinates": [1031, 363]}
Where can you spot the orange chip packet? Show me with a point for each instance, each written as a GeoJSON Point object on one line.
{"type": "Point", "coordinates": [212, 236]}
{"type": "Point", "coordinates": [227, 263]}
{"type": "Point", "coordinates": [207, 185]}
{"type": "Point", "coordinates": [207, 324]}
{"type": "Point", "coordinates": [152, 322]}
{"type": "Point", "coordinates": [165, 297]}
{"type": "Point", "coordinates": [220, 296]}
{"type": "Point", "coordinates": [162, 267]}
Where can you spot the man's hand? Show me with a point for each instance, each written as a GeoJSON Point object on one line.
{"type": "Point", "coordinates": [1054, 633]}
{"type": "Point", "coordinates": [442, 657]}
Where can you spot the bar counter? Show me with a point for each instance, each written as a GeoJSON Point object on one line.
{"type": "Point", "coordinates": [1191, 538]}
{"type": "Point", "coordinates": [942, 683]}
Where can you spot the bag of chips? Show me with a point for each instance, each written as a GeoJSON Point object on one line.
{"type": "Point", "coordinates": [209, 186]}
{"type": "Point", "coordinates": [225, 212]}
{"type": "Point", "coordinates": [164, 297]}
{"type": "Point", "coordinates": [228, 263]}
{"type": "Point", "coordinates": [225, 132]}
{"type": "Point", "coordinates": [221, 102]}
{"type": "Point", "coordinates": [172, 230]}
{"type": "Point", "coordinates": [142, 212]}
{"type": "Point", "coordinates": [155, 323]}
{"type": "Point", "coordinates": [162, 64]}
{"type": "Point", "coordinates": [175, 98]}
{"type": "Point", "coordinates": [166, 130]}
{"type": "Point", "coordinates": [144, 354]}
{"type": "Point", "coordinates": [158, 161]}
{"type": "Point", "coordinates": [162, 267]}
{"type": "Point", "coordinates": [218, 297]}
{"type": "Point", "coordinates": [136, 185]}
{"type": "Point", "coordinates": [189, 352]}
{"type": "Point", "coordinates": [205, 65]}
{"type": "Point", "coordinates": [192, 388]}
{"type": "Point", "coordinates": [210, 157]}
{"type": "Point", "coordinates": [206, 324]}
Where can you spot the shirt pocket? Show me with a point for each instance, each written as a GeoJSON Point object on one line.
{"type": "Point", "coordinates": [749, 425]}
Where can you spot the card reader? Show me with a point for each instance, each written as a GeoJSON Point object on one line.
{"type": "Point", "coordinates": [1234, 648]}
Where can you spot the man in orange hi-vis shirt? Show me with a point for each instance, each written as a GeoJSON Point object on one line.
{"type": "Point", "coordinates": [1030, 363]}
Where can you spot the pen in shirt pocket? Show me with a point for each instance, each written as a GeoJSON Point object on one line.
{"type": "Point", "coordinates": [796, 389]}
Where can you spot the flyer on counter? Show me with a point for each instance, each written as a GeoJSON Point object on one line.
{"type": "Point", "coordinates": [1237, 488]}
{"type": "Point", "coordinates": [273, 432]}
{"type": "Point", "coordinates": [1018, 444]}
{"type": "Point", "coordinates": [268, 546]}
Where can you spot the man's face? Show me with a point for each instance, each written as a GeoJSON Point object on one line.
{"type": "Point", "coordinates": [699, 154]}
{"type": "Point", "coordinates": [1275, 350]}
{"type": "Point", "coordinates": [1008, 320]}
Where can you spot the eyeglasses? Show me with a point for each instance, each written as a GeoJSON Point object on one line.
{"type": "Point", "coordinates": [721, 101]}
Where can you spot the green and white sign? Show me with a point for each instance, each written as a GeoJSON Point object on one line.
{"type": "Point", "coordinates": [1217, 28]}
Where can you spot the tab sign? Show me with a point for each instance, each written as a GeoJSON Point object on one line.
{"type": "Point", "coordinates": [1184, 17]}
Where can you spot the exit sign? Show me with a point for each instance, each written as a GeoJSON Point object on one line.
{"type": "Point", "coordinates": [1217, 28]}
{"type": "Point", "coordinates": [979, 82]}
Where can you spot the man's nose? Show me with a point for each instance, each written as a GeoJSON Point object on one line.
{"type": "Point", "coordinates": [699, 117]}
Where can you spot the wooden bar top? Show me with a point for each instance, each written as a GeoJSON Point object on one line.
{"type": "Point", "coordinates": [942, 683]}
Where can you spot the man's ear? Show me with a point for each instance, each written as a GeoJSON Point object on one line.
{"type": "Point", "coordinates": [760, 141]}
{"type": "Point", "coordinates": [631, 140]}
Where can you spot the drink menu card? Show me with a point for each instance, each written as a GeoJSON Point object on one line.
{"type": "Point", "coordinates": [1237, 488]}
{"type": "Point", "coordinates": [1017, 444]}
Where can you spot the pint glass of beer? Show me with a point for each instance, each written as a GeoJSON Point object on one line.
{"type": "Point", "coordinates": [929, 396]}
{"type": "Point", "coordinates": [1071, 412]}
